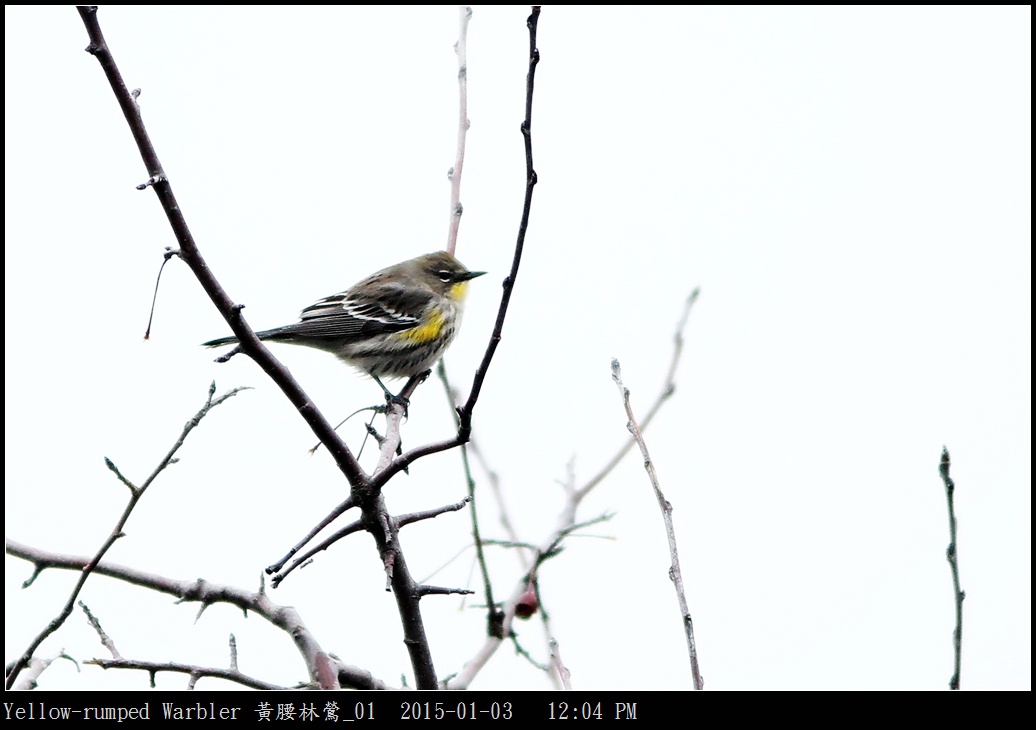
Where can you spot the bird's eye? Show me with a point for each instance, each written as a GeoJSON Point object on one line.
{"type": "Point", "coordinates": [446, 275]}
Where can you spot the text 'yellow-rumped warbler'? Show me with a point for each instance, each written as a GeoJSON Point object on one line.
{"type": "Point", "coordinates": [395, 323]}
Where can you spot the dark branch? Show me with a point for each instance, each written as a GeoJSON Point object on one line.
{"type": "Point", "coordinates": [305, 557]}
{"type": "Point", "coordinates": [951, 556]}
{"type": "Point", "coordinates": [430, 513]}
{"type": "Point", "coordinates": [189, 252]}
{"type": "Point", "coordinates": [341, 509]}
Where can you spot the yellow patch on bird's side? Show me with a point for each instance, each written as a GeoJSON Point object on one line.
{"type": "Point", "coordinates": [427, 332]}
{"type": "Point", "coordinates": [458, 290]}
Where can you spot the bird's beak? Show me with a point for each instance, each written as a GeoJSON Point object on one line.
{"type": "Point", "coordinates": [469, 275]}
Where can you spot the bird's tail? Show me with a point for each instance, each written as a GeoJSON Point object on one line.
{"type": "Point", "coordinates": [220, 342]}
{"type": "Point", "coordinates": [277, 334]}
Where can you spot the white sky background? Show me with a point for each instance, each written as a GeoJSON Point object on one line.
{"type": "Point", "coordinates": [849, 187]}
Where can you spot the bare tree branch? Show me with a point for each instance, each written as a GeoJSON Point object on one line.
{"type": "Point", "coordinates": [558, 665]}
{"type": "Point", "coordinates": [566, 523]}
{"type": "Point", "coordinates": [194, 671]}
{"type": "Point", "coordinates": [368, 495]}
{"type": "Point", "coordinates": [466, 410]}
{"type": "Point", "coordinates": [205, 592]}
{"type": "Point", "coordinates": [366, 490]}
{"type": "Point", "coordinates": [37, 665]}
{"type": "Point", "coordinates": [667, 516]}
{"type": "Point", "coordinates": [345, 506]}
{"type": "Point", "coordinates": [951, 556]}
{"type": "Point", "coordinates": [668, 388]}
{"type": "Point", "coordinates": [494, 616]}
{"type": "Point", "coordinates": [191, 255]}
{"type": "Point", "coordinates": [135, 495]}
{"type": "Point", "coordinates": [457, 171]}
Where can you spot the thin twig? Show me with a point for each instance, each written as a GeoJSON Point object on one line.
{"type": "Point", "coordinates": [463, 123]}
{"type": "Point", "coordinates": [302, 559]}
{"type": "Point", "coordinates": [169, 253]}
{"type": "Point", "coordinates": [429, 514]}
{"type": "Point", "coordinates": [668, 388]}
{"type": "Point", "coordinates": [558, 665]}
{"type": "Point", "coordinates": [951, 556]}
{"type": "Point", "coordinates": [193, 671]}
{"type": "Point", "coordinates": [351, 528]}
{"type": "Point", "coordinates": [667, 516]}
{"type": "Point", "coordinates": [342, 508]}
{"type": "Point", "coordinates": [443, 591]}
{"type": "Point", "coordinates": [106, 641]}
{"type": "Point", "coordinates": [495, 616]}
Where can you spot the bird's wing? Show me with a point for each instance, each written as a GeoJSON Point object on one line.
{"type": "Point", "coordinates": [383, 308]}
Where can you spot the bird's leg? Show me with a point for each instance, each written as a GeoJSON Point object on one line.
{"type": "Point", "coordinates": [391, 399]}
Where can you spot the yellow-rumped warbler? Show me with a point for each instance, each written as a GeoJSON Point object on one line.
{"type": "Point", "coordinates": [395, 323]}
